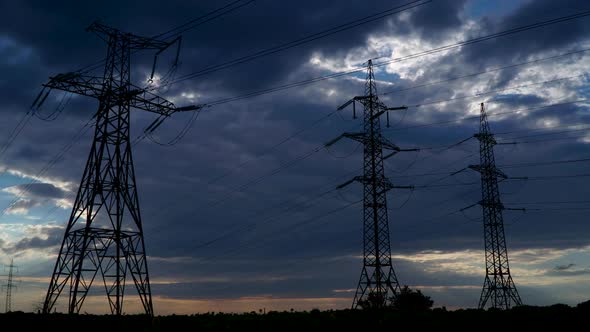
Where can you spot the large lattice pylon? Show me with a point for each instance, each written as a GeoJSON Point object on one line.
{"type": "Point", "coordinates": [104, 234]}
{"type": "Point", "coordinates": [498, 290]}
{"type": "Point", "coordinates": [378, 284]}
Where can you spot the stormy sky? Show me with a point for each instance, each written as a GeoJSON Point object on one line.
{"type": "Point", "coordinates": [240, 213]}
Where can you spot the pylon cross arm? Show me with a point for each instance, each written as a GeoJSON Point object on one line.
{"type": "Point", "coordinates": [139, 98]}
{"type": "Point", "coordinates": [356, 178]}
{"type": "Point", "coordinates": [382, 109]}
{"type": "Point", "coordinates": [359, 137]}
{"type": "Point", "coordinates": [90, 86]}
{"type": "Point", "coordinates": [388, 186]}
{"type": "Point", "coordinates": [357, 98]}
{"type": "Point", "coordinates": [147, 101]}
{"type": "Point", "coordinates": [388, 144]}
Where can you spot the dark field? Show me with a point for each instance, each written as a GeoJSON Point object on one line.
{"type": "Point", "coordinates": [526, 318]}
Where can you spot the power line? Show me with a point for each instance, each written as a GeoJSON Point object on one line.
{"type": "Point", "coordinates": [491, 36]}
{"type": "Point", "coordinates": [472, 117]}
{"type": "Point", "coordinates": [484, 72]}
{"type": "Point", "coordinates": [546, 140]}
{"type": "Point", "coordinates": [288, 164]}
{"type": "Point", "coordinates": [308, 154]}
{"type": "Point", "coordinates": [61, 106]}
{"type": "Point", "coordinates": [304, 40]}
{"type": "Point", "coordinates": [544, 128]}
{"type": "Point", "coordinates": [16, 131]}
{"type": "Point", "coordinates": [275, 171]}
{"type": "Point", "coordinates": [187, 26]}
{"type": "Point", "coordinates": [551, 133]}
{"type": "Point", "coordinates": [177, 138]}
{"type": "Point", "coordinates": [300, 206]}
{"type": "Point", "coordinates": [22, 123]}
{"type": "Point", "coordinates": [558, 176]}
{"type": "Point", "coordinates": [446, 185]}
{"type": "Point", "coordinates": [55, 159]}
{"type": "Point", "coordinates": [532, 178]}
{"type": "Point", "coordinates": [416, 105]}
{"type": "Point", "coordinates": [400, 59]}
{"type": "Point", "coordinates": [545, 163]}
{"type": "Point", "coordinates": [558, 209]}
{"type": "Point", "coordinates": [551, 202]}
{"type": "Point", "coordinates": [216, 103]}
{"type": "Point", "coordinates": [272, 148]}
{"type": "Point", "coordinates": [87, 68]}
{"type": "Point", "coordinates": [195, 22]}
{"type": "Point", "coordinates": [285, 165]}
{"type": "Point", "coordinates": [283, 232]}
{"type": "Point", "coordinates": [498, 90]}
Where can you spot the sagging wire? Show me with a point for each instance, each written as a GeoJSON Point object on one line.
{"type": "Point", "coordinates": [65, 100]}
{"type": "Point", "coordinates": [517, 219]}
{"type": "Point", "coordinates": [392, 126]}
{"type": "Point", "coordinates": [410, 165]}
{"type": "Point", "coordinates": [345, 156]}
{"type": "Point", "coordinates": [469, 219]}
{"type": "Point", "coordinates": [519, 189]}
{"type": "Point", "coordinates": [406, 201]}
{"type": "Point", "coordinates": [150, 130]}
{"type": "Point", "coordinates": [164, 81]}
{"type": "Point", "coordinates": [342, 198]}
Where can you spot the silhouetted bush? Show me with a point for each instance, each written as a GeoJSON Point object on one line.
{"type": "Point", "coordinates": [412, 300]}
{"type": "Point", "coordinates": [585, 306]}
{"type": "Point", "coordinates": [406, 300]}
{"type": "Point", "coordinates": [373, 301]}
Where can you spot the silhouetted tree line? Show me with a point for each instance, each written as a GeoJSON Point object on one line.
{"type": "Point", "coordinates": [533, 318]}
{"type": "Point", "coordinates": [406, 300]}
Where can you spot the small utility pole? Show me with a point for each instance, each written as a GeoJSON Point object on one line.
{"type": "Point", "coordinates": [9, 286]}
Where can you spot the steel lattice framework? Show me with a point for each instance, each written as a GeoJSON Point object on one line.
{"type": "Point", "coordinates": [498, 290]}
{"type": "Point", "coordinates": [9, 286]}
{"type": "Point", "coordinates": [378, 283]}
{"type": "Point", "coordinates": [110, 242]}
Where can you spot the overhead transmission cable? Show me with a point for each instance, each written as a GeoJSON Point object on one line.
{"type": "Point", "coordinates": [182, 28]}
{"type": "Point", "coordinates": [473, 74]}
{"type": "Point", "coordinates": [50, 163]}
{"type": "Point", "coordinates": [191, 24]}
{"type": "Point", "coordinates": [304, 40]}
{"type": "Point", "coordinates": [399, 59]}
{"type": "Point", "coordinates": [471, 117]}
{"type": "Point", "coordinates": [431, 83]}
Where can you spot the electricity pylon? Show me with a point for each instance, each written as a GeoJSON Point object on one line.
{"type": "Point", "coordinates": [378, 283]}
{"type": "Point", "coordinates": [9, 286]}
{"type": "Point", "coordinates": [498, 286]}
{"type": "Point", "coordinates": [111, 242]}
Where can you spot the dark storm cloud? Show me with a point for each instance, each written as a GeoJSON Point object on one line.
{"type": "Point", "coordinates": [436, 19]}
{"type": "Point", "coordinates": [48, 238]}
{"type": "Point", "coordinates": [40, 190]}
{"type": "Point", "coordinates": [181, 206]}
{"type": "Point", "coordinates": [562, 36]}
{"type": "Point", "coordinates": [569, 270]}
{"type": "Point", "coordinates": [564, 267]}
{"type": "Point", "coordinates": [257, 26]}
{"type": "Point", "coordinates": [513, 100]}
{"type": "Point", "coordinates": [23, 205]}
{"type": "Point", "coordinates": [32, 195]}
